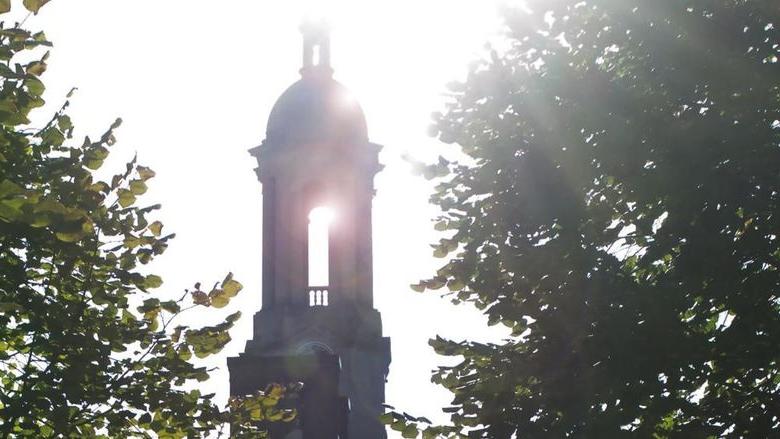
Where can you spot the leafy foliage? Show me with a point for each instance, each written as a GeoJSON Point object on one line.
{"type": "Point", "coordinates": [618, 212]}
{"type": "Point", "coordinates": [86, 349]}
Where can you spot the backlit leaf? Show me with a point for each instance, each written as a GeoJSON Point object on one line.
{"type": "Point", "coordinates": [34, 5]}
{"type": "Point", "coordinates": [153, 281]}
{"type": "Point", "coordinates": [126, 197]}
{"type": "Point", "coordinates": [35, 86]}
{"type": "Point", "coordinates": [156, 228]}
{"type": "Point", "coordinates": [138, 187]}
{"type": "Point", "coordinates": [145, 173]}
{"type": "Point", "coordinates": [36, 68]}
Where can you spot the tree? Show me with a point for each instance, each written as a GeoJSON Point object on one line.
{"type": "Point", "coordinates": [86, 348]}
{"type": "Point", "coordinates": [618, 211]}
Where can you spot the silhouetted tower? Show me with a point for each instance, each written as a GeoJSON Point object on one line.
{"type": "Point", "coordinates": [316, 153]}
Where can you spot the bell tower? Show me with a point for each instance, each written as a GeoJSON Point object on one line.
{"type": "Point", "coordinates": [324, 333]}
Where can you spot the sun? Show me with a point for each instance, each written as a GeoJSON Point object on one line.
{"type": "Point", "coordinates": [322, 215]}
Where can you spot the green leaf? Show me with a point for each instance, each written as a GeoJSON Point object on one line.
{"type": "Point", "coordinates": [94, 157]}
{"type": "Point", "coordinates": [53, 136]}
{"type": "Point", "coordinates": [98, 152]}
{"type": "Point", "coordinates": [5, 6]}
{"type": "Point", "coordinates": [9, 188]}
{"type": "Point", "coordinates": [34, 86]}
{"type": "Point", "coordinates": [418, 287]}
{"type": "Point", "coordinates": [149, 305]}
{"type": "Point", "coordinates": [171, 306]}
{"type": "Point", "coordinates": [145, 173]}
{"type": "Point", "coordinates": [184, 353]}
{"type": "Point", "coordinates": [100, 186]}
{"type": "Point", "coordinates": [51, 205]}
{"type": "Point", "coordinates": [69, 236]}
{"type": "Point", "coordinates": [231, 287]}
{"type": "Point", "coordinates": [156, 228]}
{"type": "Point", "coordinates": [410, 431]}
{"type": "Point", "coordinates": [138, 187]}
{"type": "Point", "coordinates": [153, 281]}
{"type": "Point", "coordinates": [232, 318]}
{"type": "Point", "coordinates": [64, 122]}
{"type": "Point", "coordinates": [220, 300]}
{"type": "Point", "coordinates": [256, 414]}
{"type": "Point", "coordinates": [40, 220]}
{"type": "Point", "coordinates": [126, 198]}
{"type": "Point", "coordinates": [131, 241]}
{"type": "Point", "coordinates": [93, 164]}
{"type": "Point", "coordinates": [36, 68]}
{"type": "Point", "coordinates": [456, 285]}
{"type": "Point", "coordinates": [34, 5]}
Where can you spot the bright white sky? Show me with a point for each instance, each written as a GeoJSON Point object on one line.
{"type": "Point", "coordinates": [194, 82]}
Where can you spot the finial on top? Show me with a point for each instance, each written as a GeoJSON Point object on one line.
{"type": "Point", "coordinates": [316, 47]}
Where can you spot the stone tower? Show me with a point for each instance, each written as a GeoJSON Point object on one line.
{"type": "Point", "coordinates": [316, 153]}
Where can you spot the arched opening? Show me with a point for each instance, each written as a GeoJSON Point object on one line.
{"type": "Point", "coordinates": [320, 219]}
{"type": "Point", "coordinates": [314, 347]}
{"type": "Point", "coordinates": [315, 59]}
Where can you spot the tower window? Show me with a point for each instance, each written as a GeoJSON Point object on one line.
{"type": "Point", "coordinates": [316, 55]}
{"type": "Point", "coordinates": [320, 219]}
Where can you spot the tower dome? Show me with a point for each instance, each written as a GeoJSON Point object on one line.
{"type": "Point", "coordinates": [317, 108]}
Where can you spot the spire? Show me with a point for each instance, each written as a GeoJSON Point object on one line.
{"type": "Point", "coordinates": [316, 47]}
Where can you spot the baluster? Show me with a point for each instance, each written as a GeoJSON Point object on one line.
{"type": "Point", "coordinates": [324, 297]}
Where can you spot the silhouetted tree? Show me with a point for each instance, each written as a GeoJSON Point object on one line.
{"type": "Point", "coordinates": [618, 211]}
{"type": "Point", "coordinates": [86, 349]}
